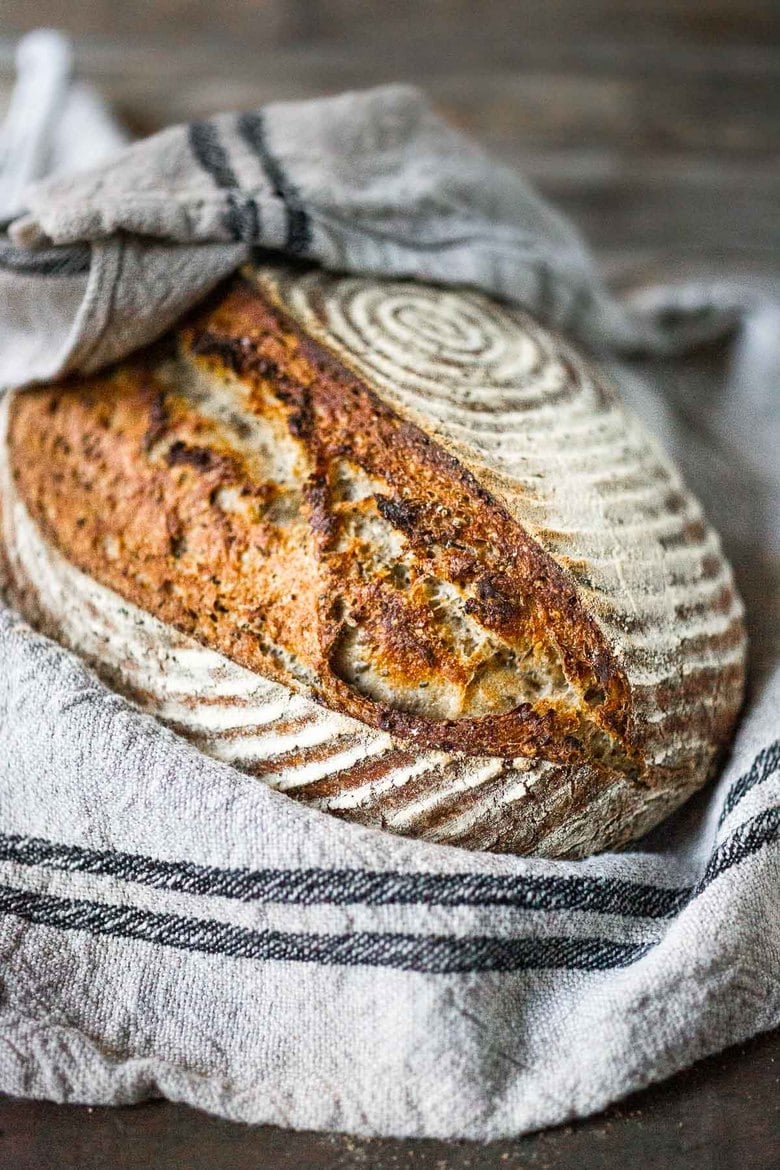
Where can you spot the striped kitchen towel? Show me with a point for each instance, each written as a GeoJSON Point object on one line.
{"type": "Point", "coordinates": [170, 926]}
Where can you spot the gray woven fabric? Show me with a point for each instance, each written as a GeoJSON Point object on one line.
{"type": "Point", "coordinates": [369, 182]}
{"type": "Point", "coordinates": [169, 926]}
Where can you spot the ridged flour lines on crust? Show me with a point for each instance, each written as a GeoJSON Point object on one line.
{"type": "Point", "coordinates": [571, 458]}
{"type": "Point", "coordinates": [546, 436]}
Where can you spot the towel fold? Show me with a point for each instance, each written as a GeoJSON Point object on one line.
{"type": "Point", "coordinates": [170, 926]}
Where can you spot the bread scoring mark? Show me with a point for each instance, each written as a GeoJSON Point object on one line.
{"type": "Point", "coordinates": [341, 431]}
{"type": "Point", "coordinates": [585, 473]}
{"type": "Point", "coordinates": [681, 645]}
{"type": "Point", "coordinates": [461, 620]}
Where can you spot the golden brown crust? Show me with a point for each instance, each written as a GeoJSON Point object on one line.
{"type": "Point", "coordinates": [342, 554]}
{"type": "Point", "coordinates": [419, 508]}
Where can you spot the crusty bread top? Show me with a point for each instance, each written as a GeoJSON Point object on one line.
{"type": "Point", "coordinates": [413, 503]}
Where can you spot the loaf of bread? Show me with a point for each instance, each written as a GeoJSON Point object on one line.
{"type": "Point", "coordinates": [397, 550]}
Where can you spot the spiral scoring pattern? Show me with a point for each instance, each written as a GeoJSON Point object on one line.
{"type": "Point", "coordinates": [577, 472]}
{"type": "Point", "coordinates": [453, 356]}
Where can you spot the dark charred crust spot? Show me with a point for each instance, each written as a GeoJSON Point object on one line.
{"type": "Point", "coordinates": [492, 606]}
{"type": "Point", "coordinates": [399, 512]}
{"type": "Point", "coordinates": [240, 426]}
{"type": "Point", "coordinates": [337, 609]}
{"type": "Point", "coordinates": [158, 420]}
{"type": "Point", "coordinates": [300, 422]}
{"type": "Point", "coordinates": [594, 695]}
{"type": "Point", "coordinates": [263, 367]}
{"type": "Point", "coordinates": [295, 396]}
{"type": "Point", "coordinates": [180, 453]}
{"type": "Point", "coordinates": [231, 351]}
{"type": "Point", "coordinates": [239, 354]}
{"type": "Point", "coordinates": [385, 718]}
{"type": "Point", "coordinates": [488, 591]}
{"type": "Point", "coordinates": [317, 496]}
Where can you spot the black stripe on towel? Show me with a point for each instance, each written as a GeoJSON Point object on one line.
{"type": "Point", "coordinates": [760, 830]}
{"type": "Point", "coordinates": [211, 154]}
{"type": "Point", "coordinates": [345, 887]}
{"type": "Point", "coordinates": [427, 954]}
{"type": "Point", "coordinates": [252, 128]}
{"type": "Point", "coordinates": [342, 887]}
{"type": "Point", "coordinates": [765, 765]}
{"type": "Point", "coordinates": [242, 217]}
{"type": "Point", "coordinates": [65, 261]}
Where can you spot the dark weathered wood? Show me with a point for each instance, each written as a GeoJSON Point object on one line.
{"type": "Point", "coordinates": [372, 23]}
{"type": "Point", "coordinates": [659, 140]}
{"type": "Point", "coordinates": [723, 1114]}
{"type": "Point", "coordinates": [612, 95]}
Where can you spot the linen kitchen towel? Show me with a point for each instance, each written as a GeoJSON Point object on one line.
{"type": "Point", "coordinates": [170, 926]}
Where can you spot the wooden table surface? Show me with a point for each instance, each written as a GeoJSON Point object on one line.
{"type": "Point", "coordinates": [653, 125]}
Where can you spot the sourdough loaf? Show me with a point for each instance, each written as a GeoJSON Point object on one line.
{"type": "Point", "coordinates": [397, 550]}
